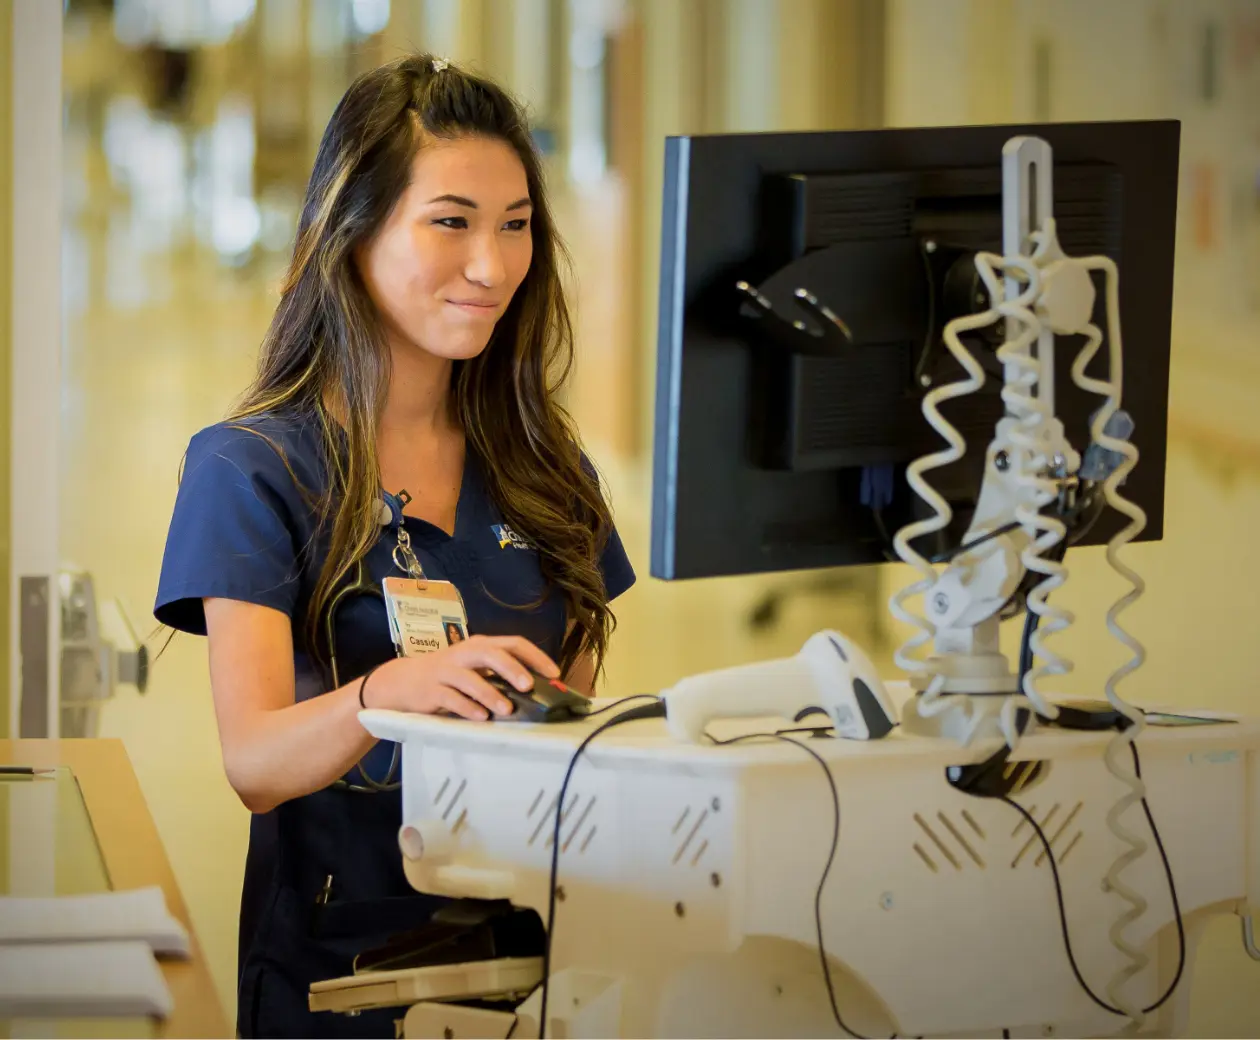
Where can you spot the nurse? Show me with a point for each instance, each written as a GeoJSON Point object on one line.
{"type": "Point", "coordinates": [403, 421]}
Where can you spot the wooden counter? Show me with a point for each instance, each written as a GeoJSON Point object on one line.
{"type": "Point", "coordinates": [134, 858]}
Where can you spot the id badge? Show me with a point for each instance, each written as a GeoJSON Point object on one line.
{"type": "Point", "coordinates": [424, 616]}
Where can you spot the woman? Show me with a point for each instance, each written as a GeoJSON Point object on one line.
{"type": "Point", "coordinates": [405, 404]}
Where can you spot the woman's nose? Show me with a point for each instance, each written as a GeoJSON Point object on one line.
{"type": "Point", "coordinates": [485, 264]}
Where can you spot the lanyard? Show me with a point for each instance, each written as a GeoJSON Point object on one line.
{"type": "Point", "coordinates": [392, 516]}
{"type": "Point", "coordinates": [408, 563]}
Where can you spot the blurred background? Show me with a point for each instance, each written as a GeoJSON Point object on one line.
{"type": "Point", "coordinates": [190, 130]}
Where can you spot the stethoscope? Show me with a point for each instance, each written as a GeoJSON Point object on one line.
{"type": "Point", "coordinates": [390, 514]}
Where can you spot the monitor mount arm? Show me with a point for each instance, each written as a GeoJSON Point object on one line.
{"type": "Point", "coordinates": [1033, 475]}
{"type": "Point", "coordinates": [966, 689]}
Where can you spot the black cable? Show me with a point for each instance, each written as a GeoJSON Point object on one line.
{"type": "Point", "coordinates": [888, 548]}
{"type": "Point", "coordinates": [814, 731]}
{"type": "Point", "coordinates": [1090, 509]}
{"type": "Point", "coordinates": [619, 702]}
{"type": "Point", "coordinates": [1031, 618]}
{"type": "Point", "coordinates": [997, 532]}
{"type": "Point", "coordinates": [831, 855]}
{"type": "Point", "coordinates": [1086, 512]}
{"type": "Point", "coordinates": [654, 710]}
{"type": "Point", "coordinates": [1058, 891]}
{"type": "Point", "coordinates": [974, 779]}
{"type": "Point", "coordinates": [974, 776]}
{"type": "Point", "coordinates": [516, 1012]}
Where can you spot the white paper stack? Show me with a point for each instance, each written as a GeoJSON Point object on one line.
{"type": "Point", "coordinates": [93, 955]}
{"type": "Point", "coordinates": [139, 914]}
{"type": "Point", "coordinates": [82, 979]}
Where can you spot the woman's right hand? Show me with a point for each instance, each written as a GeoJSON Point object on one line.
{"type": "Point", "coordinates": [452, 679]}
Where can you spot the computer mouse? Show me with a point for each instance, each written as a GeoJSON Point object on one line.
{"type": "Point", "coordinates": [549, 701]}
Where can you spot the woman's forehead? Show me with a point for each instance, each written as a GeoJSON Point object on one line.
{"type": "Point", "coordinates": [483, 170]}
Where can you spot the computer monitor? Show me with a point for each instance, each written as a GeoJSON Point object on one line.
{"type": "Point", "coordinates": [777, 450]}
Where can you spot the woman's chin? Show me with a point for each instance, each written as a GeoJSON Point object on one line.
{"type": "Point", "coordinates": [456, 348]}
{"type": "Point", "coordinates": [466, 351]}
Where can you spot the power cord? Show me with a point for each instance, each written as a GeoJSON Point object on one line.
{"type": "Point", "coordinates": [653, 710]}
{"type": "Point", "coordinates": [1079, 517]}
{"type": "Point", "coordinates": [831, 855]}
{"type": "Point", "coordinates": [1058, 890]}
{"type": "Point", "coordinates": [621, 701]}
{"type": "Point", "coordinates": [990, 772]}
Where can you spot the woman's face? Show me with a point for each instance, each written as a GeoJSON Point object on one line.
{"type": "Point", "coordinates": [444, 266]}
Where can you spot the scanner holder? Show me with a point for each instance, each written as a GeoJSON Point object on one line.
{"type": "Point", "coordinates": [828, 336]}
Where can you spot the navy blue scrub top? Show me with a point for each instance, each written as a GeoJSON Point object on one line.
{"type": "Point", "coordinates": [242, 529]}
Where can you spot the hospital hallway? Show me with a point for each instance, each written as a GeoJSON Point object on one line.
{"type": "Point", "coordinates": [181, 184]}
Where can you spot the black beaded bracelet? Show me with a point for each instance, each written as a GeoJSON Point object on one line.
{"type": "Point", "coordinates": [363, 685]}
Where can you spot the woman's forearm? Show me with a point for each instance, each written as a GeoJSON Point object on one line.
{"type": "Point", "coordinates": [276, 749]}
{"type": "Point", "coordinates": [284, 753]}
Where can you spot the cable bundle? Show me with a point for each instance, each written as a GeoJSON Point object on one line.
{"type": "Point", "coordinates": [1035, 440]}
{"type": "Point", "coordinates": [1032, 464]}
{"type": "Point", "coordinates": [1119, 748]}
{"type": "Point", "coordinates": [930, 702]}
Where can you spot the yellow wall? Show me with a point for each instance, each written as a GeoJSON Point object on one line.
{"type": "Point", "coordinates": [6, 208]}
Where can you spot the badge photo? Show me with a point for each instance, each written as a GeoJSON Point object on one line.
{"type": "Point", "coordinates": [424, 616]}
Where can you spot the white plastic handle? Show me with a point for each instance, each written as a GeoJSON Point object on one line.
{"type": "Point", "coordinates": [427, 841]}
{"type": "Point", "coordinates": [778, 688]}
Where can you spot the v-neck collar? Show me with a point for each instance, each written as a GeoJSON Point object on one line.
{"type": "Point", "coordinates": [466, 506]}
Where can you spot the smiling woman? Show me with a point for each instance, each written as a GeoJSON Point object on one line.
{"type": "Point", "coordinates": [404, 416]}
{"type": "Point", "coordinates": [444, 267]}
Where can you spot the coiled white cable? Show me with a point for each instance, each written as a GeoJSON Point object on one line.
{"type": "Point", "coordinates": [1117, 756]}
{"type": "Point", "coordinates": [1052, 619]}
{"type": "Point", "coordinates": [1033, 465]}
{"type": "Point", "coordinates": [1027, 456]}
{"type": "Point", "coordinates": [930, 701]}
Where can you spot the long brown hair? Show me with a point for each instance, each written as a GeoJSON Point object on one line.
{"type": "Point", "coordinates": [326, 336]}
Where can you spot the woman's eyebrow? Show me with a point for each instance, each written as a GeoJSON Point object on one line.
{"type": "Point", "coordinates": [459, 200]}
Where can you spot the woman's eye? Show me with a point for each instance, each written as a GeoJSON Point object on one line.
{"type": "Point", "coordinates": [453, 222]}
{"type": "Point", "coordinates": [517, 225]}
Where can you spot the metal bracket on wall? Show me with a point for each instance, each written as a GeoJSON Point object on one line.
{"type": "Point", "coordinates": [33, 691]}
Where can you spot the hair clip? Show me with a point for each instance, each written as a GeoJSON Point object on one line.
{"type": "Point", "coordinates": [439, 64]}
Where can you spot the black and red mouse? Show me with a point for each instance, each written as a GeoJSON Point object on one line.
{"type": "Point", "coordinates": [550, 700]}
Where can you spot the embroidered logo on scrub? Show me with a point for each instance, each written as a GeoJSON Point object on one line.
{"type": "Point", "coordinates": [507, 536]}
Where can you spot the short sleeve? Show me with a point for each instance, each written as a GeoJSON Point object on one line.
{"type": "Point", "coordinates": [618, 573]}
{"type": "Point", "coordinates": [232, 534]}
{"type": "Point", "coordinates": [615, 564]}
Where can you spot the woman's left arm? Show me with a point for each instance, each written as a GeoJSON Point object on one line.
{"type": "Point", "coordinates": [581, 675]}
